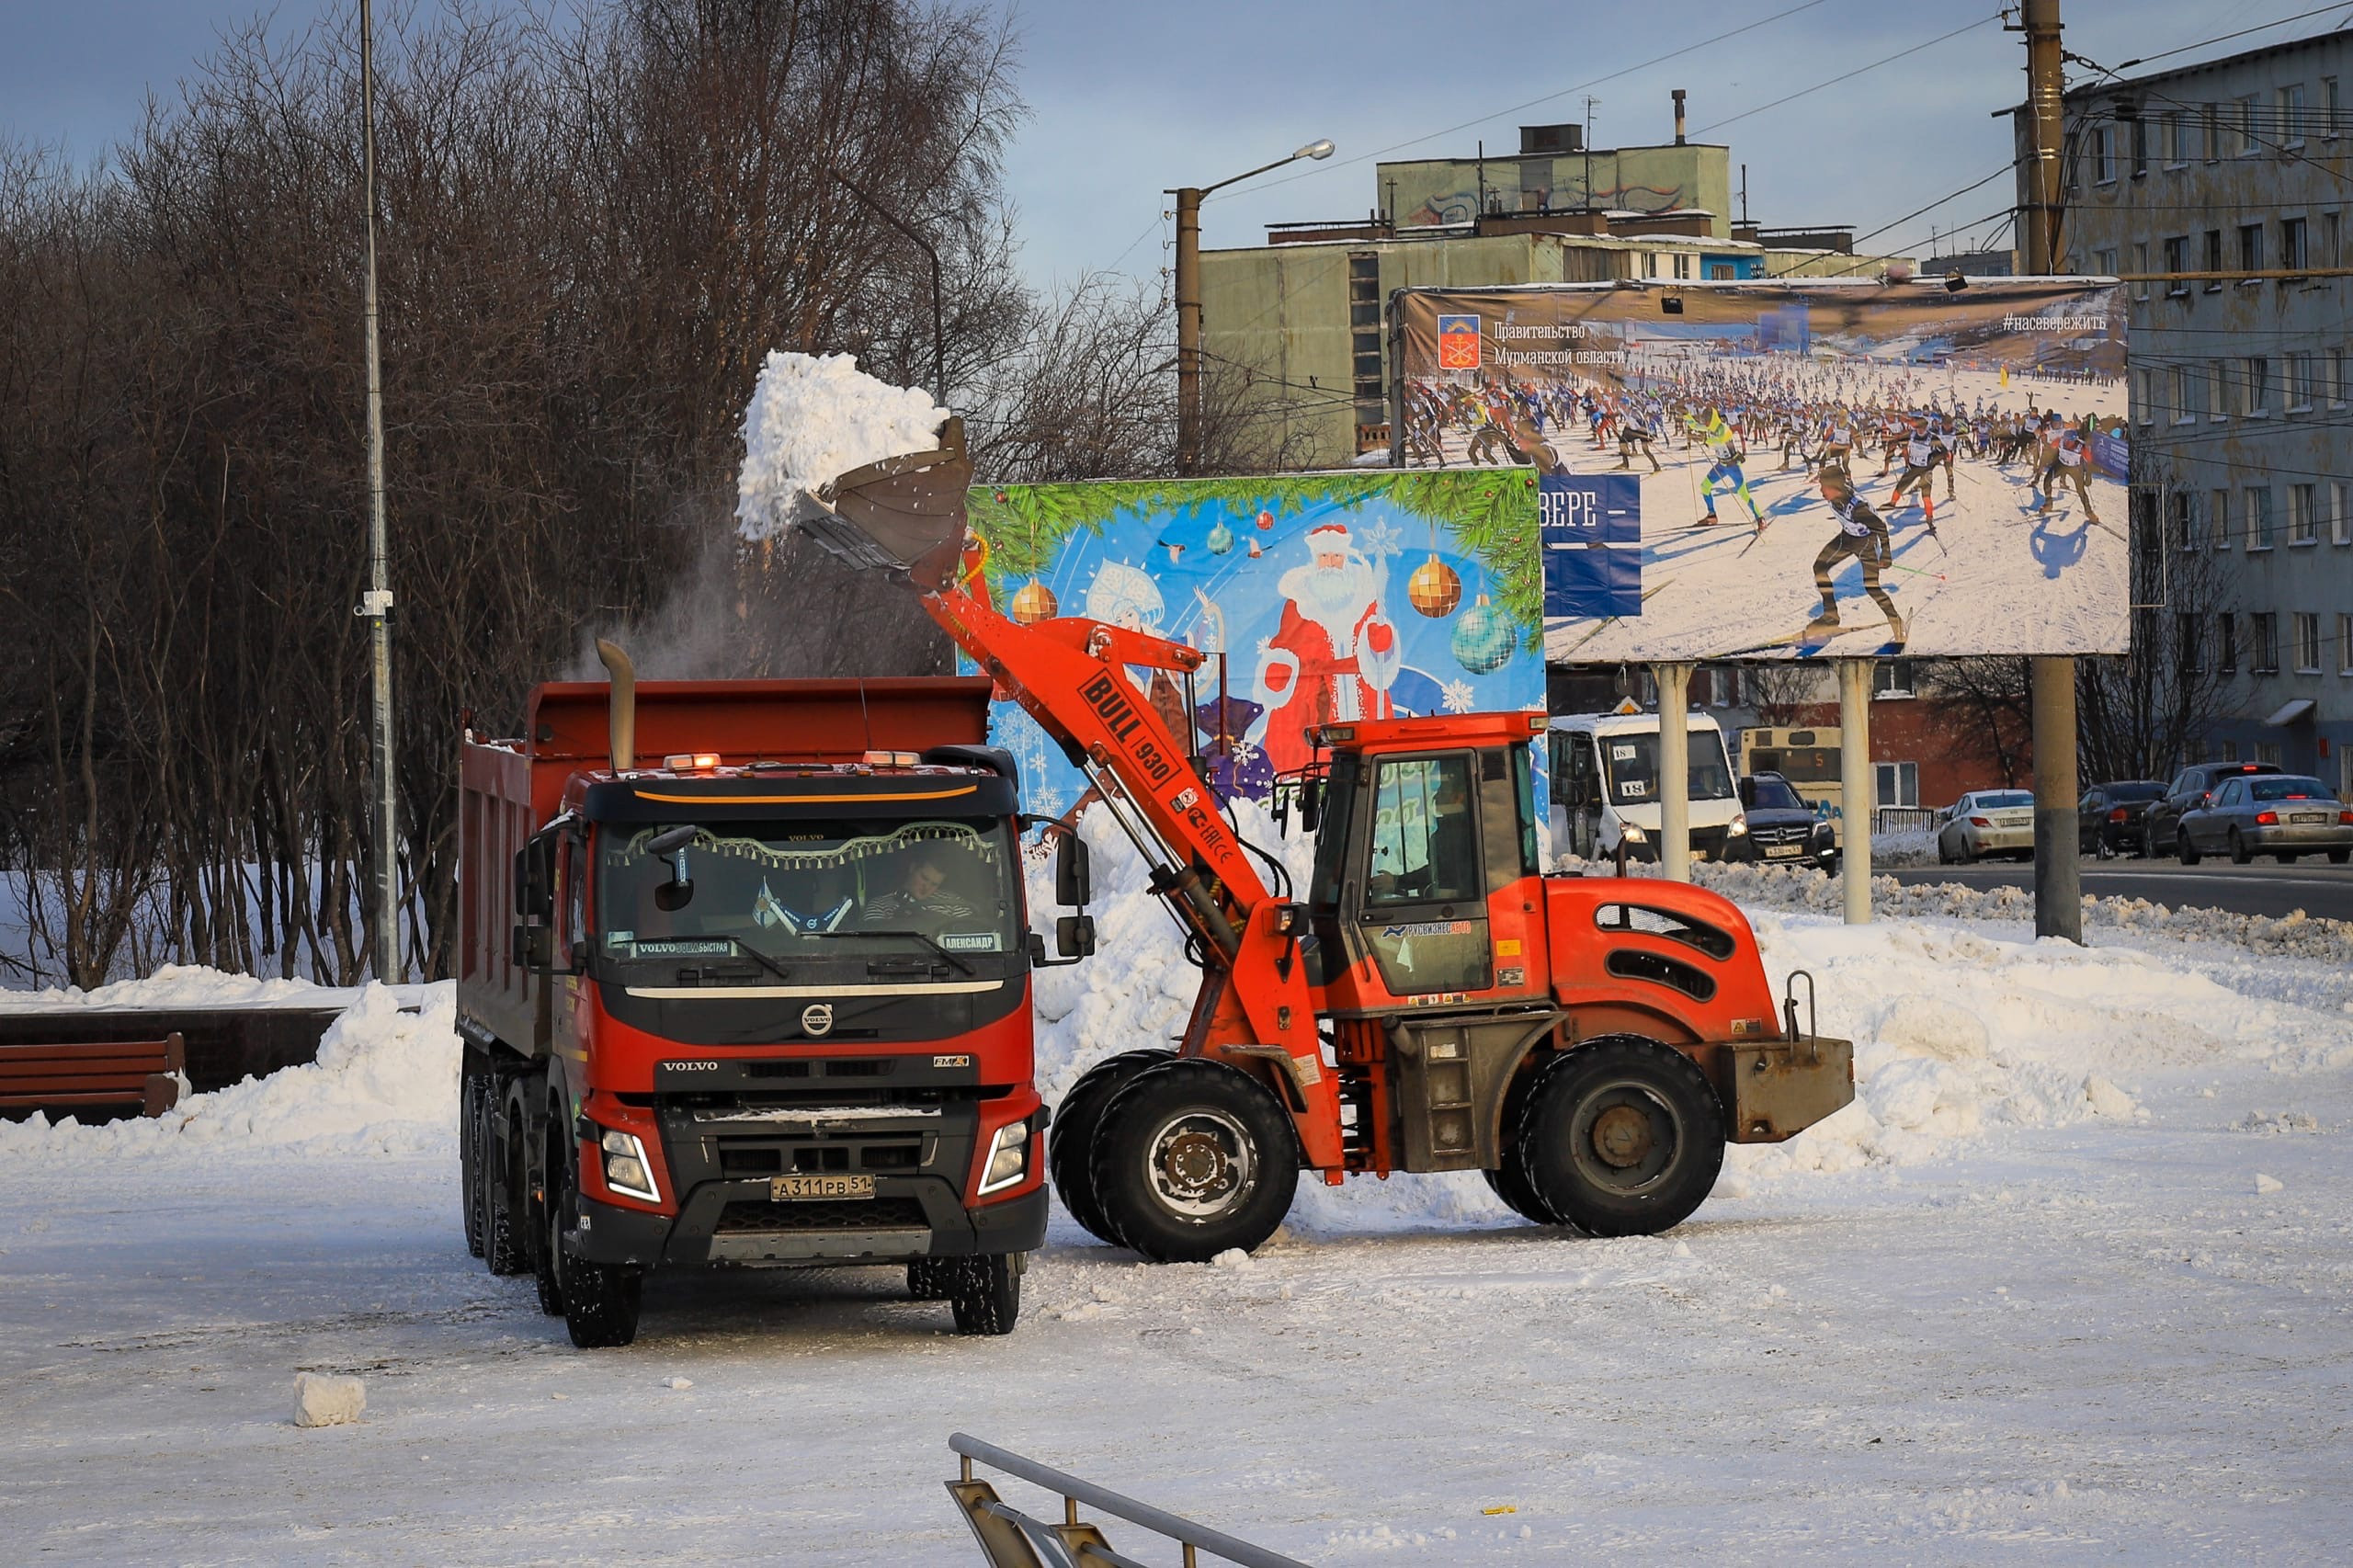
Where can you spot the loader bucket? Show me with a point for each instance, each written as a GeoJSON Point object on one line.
{"type": "Point", "coordinates": [903, 515]}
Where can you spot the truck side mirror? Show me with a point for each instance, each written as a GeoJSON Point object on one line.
{"type": "Point", "coordinates": [1073, 880]}
{"type": "Point", "coordinates": [534, 947]}
{"type": "Point", "coordinates": [1310, 804]}
{"type": "Point", "coordinates": [1075, 936]}
{"type": "Point", "coordinates": [670, 848]}
{"type": "Point", "coordinates": [534, 878]}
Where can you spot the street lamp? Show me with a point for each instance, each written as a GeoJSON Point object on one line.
{"type": "Point", "coordinates": [1189, 301]}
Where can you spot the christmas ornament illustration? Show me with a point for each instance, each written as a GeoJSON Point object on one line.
{"type": "Point", "coordinates": [1434, 589]}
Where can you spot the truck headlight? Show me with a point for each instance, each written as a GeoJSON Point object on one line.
{"type": "Point", "coordinates": [1008, 1158]}
{"type": "Point", "coordinates": [627, 1170]}
{"type": "Point", "coordinates": [1632, 834]}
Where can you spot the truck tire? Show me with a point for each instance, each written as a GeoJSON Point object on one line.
{"type": "Point", "coordinates": [988, 1292]}
{"type": "Point", "coordinates": [506, 1245]}
{"type": "Point", "coordinates": [934, 1279]}
{"type": "Point", "coordinates": [1623, 1137]}
{"type": "Point", "coordinates": [469, 1082]}
{"type": "Point", "coordinates": [1194, 1158]}
{"type": "Point", "coordinates": [1070, 1137]}
{"type": "Point", "coordinates": [599, 1300]}
{"type": "Point", "coordinates": [547, 1219]}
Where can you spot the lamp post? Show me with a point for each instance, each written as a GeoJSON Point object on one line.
{"type": "Point", "coordinates": [939, 318]}
{"type": "Point", "coordinates": [1189, 301]}
{"type": "Point", "coordinates": [376, 604]}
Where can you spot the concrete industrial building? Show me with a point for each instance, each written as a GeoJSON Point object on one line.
{"type": "Point", "coordinates": [1293, 329]}
{"type": "Point", "coordinates": [2240, 424]}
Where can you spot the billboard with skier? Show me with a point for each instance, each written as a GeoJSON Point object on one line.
{"type": "Point", "coordinates": [1320, 597]}
{"type": "Point", "coordinates": [1792, 470]}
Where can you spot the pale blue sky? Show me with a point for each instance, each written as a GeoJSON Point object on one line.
{"type": "Point", "coordinates": [1131, 98]}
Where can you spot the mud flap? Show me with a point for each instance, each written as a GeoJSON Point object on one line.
{"type": "Point", "coordinates": [1781, 1088]}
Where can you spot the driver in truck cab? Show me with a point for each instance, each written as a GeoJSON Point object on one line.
{"type": "Point", "coordinates": [922, 899]}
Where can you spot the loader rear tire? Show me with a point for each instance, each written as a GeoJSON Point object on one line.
{"type": "Point", "coordinates": [1622, 1137]}
{"type": "Point", "coordinates": [1070, 1138]}
{"type": "Point", "coordinates": [1194, 1158]}
{"type": "Point", "coordinates": [1510, 1183]}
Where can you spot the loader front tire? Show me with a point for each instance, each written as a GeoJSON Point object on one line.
{"type": "Point", "coordinates": [1623, 1137]}
{"type": "Point", "coordinates": [1193, 1158]}
{"type": "Point", "coordinates": [1070, 1140]}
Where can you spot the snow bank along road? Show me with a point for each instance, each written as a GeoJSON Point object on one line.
{"type": "Point", "coordinates": [2318, 889]}
{"type": "Point", "coordinates": [2070, 1282]}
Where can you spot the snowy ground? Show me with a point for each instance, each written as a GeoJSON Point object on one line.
{"type": "Point", "coordinates": [2070, 1282]}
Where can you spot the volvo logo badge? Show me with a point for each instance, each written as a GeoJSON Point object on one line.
{"type": "Point", "coordinates": [817, 1019]}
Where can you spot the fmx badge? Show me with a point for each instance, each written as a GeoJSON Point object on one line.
{"type": "Point", "coordinates": [1458, 343]}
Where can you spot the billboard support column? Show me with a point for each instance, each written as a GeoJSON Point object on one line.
{"type": "Point", "coordinates": [1855, 788]}
{"type": "Point", "coordinates": [2058, 875]}
{"type": "Point", "coordinates": [1673, 771]}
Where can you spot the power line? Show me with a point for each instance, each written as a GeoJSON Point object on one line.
{"type": "Point", "coordinates": [2225, 38]}
{"type": "Point", "coordinates": [1850, 75]}
{"type": "Point", "coordinates": [1548, 97]}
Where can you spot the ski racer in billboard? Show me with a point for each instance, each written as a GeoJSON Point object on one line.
{"type": "Point", "coordinates": [1862, 534]}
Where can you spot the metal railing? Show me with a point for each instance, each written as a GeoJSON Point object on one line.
{"type": "Point", "coordinates": [1902, 819]}
{"type": "Point", "coordinates": [1011, 1539]}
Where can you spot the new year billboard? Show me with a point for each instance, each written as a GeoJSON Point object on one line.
{"type": "Point", "coordinates": [1774, 470]}
{"type": "Point", "coordinates": [1329, 597]}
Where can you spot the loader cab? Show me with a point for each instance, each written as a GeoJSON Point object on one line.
{"type": "Point", "coordinates": [1425, 892]}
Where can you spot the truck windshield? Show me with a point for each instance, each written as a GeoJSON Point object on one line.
{"type": "Point", "coordinates": [810, 890]}
{"type": "Point", "coordinates": [1632, 764]}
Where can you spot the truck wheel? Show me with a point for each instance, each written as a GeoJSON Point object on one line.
{"type": "Point", "coordinates": [1194, 1158]}
{"type": "Point", "coordinates": [506, 1246]}
{"type": "Point", "coordinates": [1071, 1136]}
{"type": "Point", "coordinates": [1624, 1137]}
{"type": "Point", "coordinates": [547, 1210]}
{"type": "Point", "coordinates": [470, 1081]}
{"type": "Point", "coordinates": [988, 1292]}
{"type": "Point", "coordinates": [599, 1300]}
{"type": "Point", "coordinates": [933, 1279]}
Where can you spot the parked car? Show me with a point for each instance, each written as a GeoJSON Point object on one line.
{"type": "Point", "coordinates": [2107, 819]}
{"type": "Point", "coordinates": [1782, 829]}
{"type": "Point", "coordinates": [2191, 788]}
{"type": "Point", "coordinates": [1986, 821]}
{"type": "Point", "coordinates": [2280, 815]}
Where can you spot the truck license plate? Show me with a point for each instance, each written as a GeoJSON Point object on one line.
{"type": "Point", "coordinates": [1783, 851]}
{"type": "Point", "coordinates": [784, 1188]}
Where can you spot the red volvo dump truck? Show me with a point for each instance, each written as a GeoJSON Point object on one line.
{"type": "Point", "coordinates": [746, 981]}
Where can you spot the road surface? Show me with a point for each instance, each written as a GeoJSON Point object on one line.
{"type": "Point", "coordinates": [2265, 888]}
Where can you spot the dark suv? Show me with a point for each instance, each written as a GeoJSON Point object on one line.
{"type": "Point", "coordinates": [1782, 829]}
{"type": "Point", "coordinates": [2191, 789]}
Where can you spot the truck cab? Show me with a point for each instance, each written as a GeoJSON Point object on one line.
{"type": "Point", "coordinates": [763, 1003]}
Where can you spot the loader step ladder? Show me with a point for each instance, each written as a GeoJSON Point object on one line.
{"type": "Point", "coordinates": [1011, 1539]}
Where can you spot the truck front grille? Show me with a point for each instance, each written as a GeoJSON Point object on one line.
{"type": "Point", "coordinates": [848, 1214]}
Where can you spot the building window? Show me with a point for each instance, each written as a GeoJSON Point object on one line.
{"type": "Point", "coordinates": [2345, 648]}
{"type": "Point", "coordinates": [2140, 148]}
{"type": "Point", "coordinates": [2185, 394]}
{"type": "Point", "coordinates": [2268, 751]}
{"type": "Point", "coordinates": [2104, 263]}
{"type": "Point", "coordinates": [2291, 244]}
{"type": "Point", "coordinates": [1370, 389]}
{"type": "Point", "coordinates": [1896, 783]}
{"type": "Point", "coordinates": [2177, 260]}
{"type": "Point", "coordinates": [2186, 641]}
{"type": "Point", "coordinates": [2103, 151]}
{"type": "Point", "coordinates": [2218, 390]}
{"type": "Point", "coordinates": [2185, 521]}
{"type": "Point", "coordinates": [2140, 266]}
{"type": "Point", "coordinates": [2340, 518]}
{"type": "Point", "coordinates": [2259, 384]}
{"type": "Point", "coordinates": [1892, 677]}
{"type": "Point", "coordinates": [2302, 381]}
{"type": "Point", "coordinates": [2218, 518]}
{"type": "Point", "coordinates": [2306, 629]}
{"type": "Point", "coordinates": [2213, 118]}
{"type": "Point", "coordinates": [2242, 126]}
{"type": "Point", "coordinates": [2291, 114]}
{"type": "Point", "coordinates": [2250, 247]}
{"type": "Point", "coordinates": [2332, 240]}
{"type": "Point", "coordinates": [2259, 517]}
{"type": "Point", "coordinates": [2213, 259]}
{"type": "Point", "coordinates": [2335, 372]}
{"type": "Point", "coordinates": [2177, 140]}
{"type": "Point", "coordinates": [2303, 519]}
{"type": "Point", "coordinates": [2328, 108]}
{"type": "Point", "coordinates": [2264, 629]}
{"type": "Point", "coordinates": [2143, 404]}
{"type": "Point", "coordinates": [2226, 643]}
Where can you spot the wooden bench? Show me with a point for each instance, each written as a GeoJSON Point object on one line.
{"type": "Point", "coordinates": [140, 1076]}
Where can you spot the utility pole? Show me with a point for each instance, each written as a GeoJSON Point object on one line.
{"type": "Point", "coordinates": [1589, 101]}
{"type": "Point", "coordinates": [376, 606]}
{"type": "Point", "coordinates": [2058, 876]}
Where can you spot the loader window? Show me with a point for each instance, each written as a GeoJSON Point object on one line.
{"type": "Point", "coordinates": [1425, 845]}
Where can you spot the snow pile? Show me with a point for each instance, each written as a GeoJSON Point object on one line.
{"type": "Point", "coordinates": [1798, 887]}
{"type": "Point", "coordinates": [385, 1081]}
{"type": "Point", "coordinates": [1960, 1035]}
{"type": "Point", "coordinates": [812, 419]}
{"type": "Point", "coordinates": [182, 985]}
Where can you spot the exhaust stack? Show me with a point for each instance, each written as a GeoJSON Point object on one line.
{"type": "Point", "coordinates": [621, 708]}
{"type": "Point", "coordinates": [1678, 117]}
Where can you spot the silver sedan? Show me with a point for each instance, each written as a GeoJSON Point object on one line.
{"type": "Point", "coordinates": [2281, 814]}
{"type": "Point", "coordinates": [1987, 821]}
